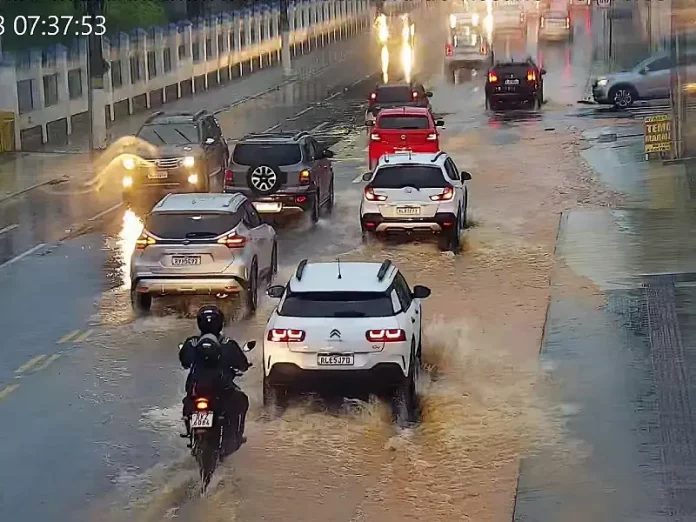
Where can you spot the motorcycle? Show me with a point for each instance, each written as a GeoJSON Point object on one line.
{"type": "Point", "coordinates": [208, 429]}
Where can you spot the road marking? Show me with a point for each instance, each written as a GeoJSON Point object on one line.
{"type": "Point", "coordinates": [68, 336]}
{"type": "Point", "coordinates": [271, 129]}
{"type": "Point", "coordinates": [303, 111]}
{"type": "Point", "coordinates": [105, 212]}
{"type": "Point", "coordinates": [82, 338]}
{"type": "Point", "coordinates": [46, 363]}
{"type": "Point", "coordinates": [30, 363]}
{"type": "Point", "coordinates": [6, 391]}
{"type": "Point", "coordinates": [334, 95]}
{"type": "Point", "coordinates": [8, 228]}
{"type": "Point", "coordinates": [314, 130]}
{"type": "Point", "coordinates": [23, 255]}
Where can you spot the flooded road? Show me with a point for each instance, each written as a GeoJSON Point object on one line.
{"type": "Point", "coordinates": [96, 394]}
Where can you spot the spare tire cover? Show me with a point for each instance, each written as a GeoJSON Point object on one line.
{"type": "Point", "coordinates": [264, 179]}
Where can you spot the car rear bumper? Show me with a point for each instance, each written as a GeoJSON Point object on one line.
{"type": "Point", "coordinates": [189, 285]}
{"type": "Point", "coordinates": [431, 225]}
{"type": "Point", "coordinates": [554, 35]}
{"type": "Point", "coordinates": [520, 95]}
{"type": "Point", "coordinates": [286, 202]}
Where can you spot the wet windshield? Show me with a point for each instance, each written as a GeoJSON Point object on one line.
{"type": "Point", "coordinates": [337, 304]}
{"type": "Point", "coordinates": [403, 122]}
{"type": "Point", "coordinates": [185, 225]}
{"type": "Point", "coordinates": [394, 94]}
{"type": "Point", "coordinates": [271, 154]}
{"type": "Point", "coordinates": [416, 176]}
{"type": "Point", "coordinates": [179, 134]}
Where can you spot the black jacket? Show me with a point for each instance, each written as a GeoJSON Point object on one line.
{"type": "Point", "coordinates": [233, 358]}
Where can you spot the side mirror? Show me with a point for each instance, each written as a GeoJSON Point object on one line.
{"type": "Point", "coordinates": [209, 141]}
{"type": "Point", "coordinates": [420, 292]}
{"type": "Point", "coordinates": [439, 123]}
{"type": "Point", "coordinates": [248, 346]}
{"type": "Point", "coordinates": [429, 94]}
{"type": "Point", "coordinates": [181, 345]}
{"type": "Point", "coordinates": [466, 176]}
{"type": "Point", "coordinates": [543, 72]}
{"type": "Point", "coordinates": [275, 291]}
{"type": "Point", "coordinates": [367, 176]}
{"type": "Point", "coordinates": [328, 154]}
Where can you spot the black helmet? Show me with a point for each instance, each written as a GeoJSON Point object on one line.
{"type": "Point", "coordinates": [210, 319]}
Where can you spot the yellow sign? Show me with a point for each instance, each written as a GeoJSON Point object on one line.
{"type": "Point", "coordinates": [657, 132]}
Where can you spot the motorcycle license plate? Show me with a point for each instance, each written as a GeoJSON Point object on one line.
{"type": "Point", "coordinates": [202, 419]}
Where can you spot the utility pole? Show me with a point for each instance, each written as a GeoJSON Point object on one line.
{"type": "Point", "coordinates": [677, 99]}
{"type": "Point", "coordinates": [284, 23]}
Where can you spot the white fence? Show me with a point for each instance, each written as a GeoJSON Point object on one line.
{"type": "Point", "coordinates": [48, 91]}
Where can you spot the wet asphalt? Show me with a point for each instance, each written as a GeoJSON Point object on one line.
{"type": "Point", "coordinates": [90, 396]}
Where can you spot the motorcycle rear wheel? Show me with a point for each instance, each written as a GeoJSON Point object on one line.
{"type": "Point", "coordinates": [206, 450]}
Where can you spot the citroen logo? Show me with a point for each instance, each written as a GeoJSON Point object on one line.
{"type": "Point", "coordinates": [335, 333]}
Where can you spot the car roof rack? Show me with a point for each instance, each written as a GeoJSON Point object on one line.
{"type": "Point", "coordinates": [437, 156]}
{"type": "Point", "coordinates": [386, 265]}
{"type": "Point", "coordinates": [153, 116]}
{"type": "Point", "coordinates": [300, 269]}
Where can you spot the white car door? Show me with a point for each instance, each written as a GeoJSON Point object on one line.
{"type": "Point", "coordinates": [456, 180]}
{"type": "Point", "coordinates": [411, 308]}
{"type": "Point", "coordinates": [260, 235]}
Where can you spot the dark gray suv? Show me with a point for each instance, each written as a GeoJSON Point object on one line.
{"type": "Point", "coordinates": [282, 173]}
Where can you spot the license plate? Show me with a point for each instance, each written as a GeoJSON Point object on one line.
{"type": "Point", "coordinates": [160, 174]}
{"type": "Point", "coordinates": [267, 207]}
{"type": "Point", "coordinates": [186, 260]}
{"type": "Point", "coordinates": [335, 360]}
{"type": "Point", "coordinates": [202, 419]}
{"type": "Point", "coordinates": [512, 82]}
{"type": "Point", "coordinates": [408, 211]}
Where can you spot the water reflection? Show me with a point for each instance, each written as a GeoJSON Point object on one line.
{"type": "Point", "coordinates": [385, 64]}
{"type": "Point", "coordinates": [131, 229]}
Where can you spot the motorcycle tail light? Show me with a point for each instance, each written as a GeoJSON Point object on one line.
{"type": "Point", "coordinates": [201, 404]}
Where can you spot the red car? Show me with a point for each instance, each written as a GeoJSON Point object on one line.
{"type": "Point", "coordinates": [403, 129]}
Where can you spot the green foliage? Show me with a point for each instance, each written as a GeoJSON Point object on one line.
{"type": "Point", "coordinates": [125, 15]}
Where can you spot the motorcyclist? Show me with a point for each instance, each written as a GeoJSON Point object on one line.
{"type": "Point", "coordinates": [213, 359]}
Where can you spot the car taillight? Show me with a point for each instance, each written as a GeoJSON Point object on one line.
{"type": "Point", "coordinates": [448, 50]}
{"type": "Point", "coordinates": [414, 94]}
{"type": "Point", "coordinates": [531, 75]}
{"type": "Point", "coordinates": [229, 177]}
{"type": "Point", "coordinates": [201, 404]}
{"type": "Point", "coordinates": [492, 77]}
{"type": "Point", "coordinates": [283, 335]}
{"type": "Point", "coordinates": [446, 195]}
{"type": "Point", "coordinates": [432, 137]}
{"type": "Point", "coordinates": [375, 136]}
{"type": "Point", "coordinates": [304, 177]}
{"type": "Point", "coordinates": [385, 336]}
{"type": "Point", "coordinates": [144, 241]}
{"type": "Point", "coordinates": [542, 22]}
{"type": "Point", "coordinates": [373, 98]}
{"type": "Point", "coordinates": [522, 17]}
{"type": "Point", "coordinates": [233, 241]}
{"type": "Point", "coordinates": [567, 23]}
{"type": "Point", "coordinates": [371, 196]}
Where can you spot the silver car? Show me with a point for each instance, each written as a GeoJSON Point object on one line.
{"type": "Point", "coordinates": [202, 244]}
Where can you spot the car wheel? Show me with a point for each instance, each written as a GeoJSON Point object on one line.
{"type": "Point", "coordinates": [622, 96]}
{"type": "Point", "coordinates": [406, 395]}
{"type": "Point", "coordinates": [451, 239]}
{"type": "Point", "coordinates": [251, 297]}
{"type": "Point", "coordinates": [330, 201]}
{"type": "Point", "coordinates": [274, 262]}
{"type": "Point", "coordinates": [316, 207]}
{"type": "Point", "coordinates": [274, 399]}
{"type": "Point", "coordinates": [141, 302]}
{"type": "Point", "coordinates": [488, 103]}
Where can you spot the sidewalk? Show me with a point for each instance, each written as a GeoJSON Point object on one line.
{"type": "Point", "coordinates": [26, 170]}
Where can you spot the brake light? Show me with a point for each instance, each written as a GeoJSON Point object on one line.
{"type": "Point", "coordinates": [386, 336]}
{"type": "Point", "coordinates": [446, 195]}
{"type": "Point", "coordinates": [414, 94]}
{"type": "Point", "coordinates": [531, 75]}
{"type": "Point", "coordinates": [229, 177]}
{"type": "Point", "coordinates": [521, 17]}
{"type": "Point", "coordinates": [144, 241]}
{"type": "Point", "coordinates": [373, 97]}
{"type": "Point", "coordinates": [448, 50]}
{"type": "Point", "coordinates": [304, 177]}
{"type": "Point", "coordinates": [542, 22]}
{"type": "Point", "coordinates": [492, 77]}
{"type": "Point", "coordinates": [202, 404]}
{"type": "Point", "coordinates": [371, 196]}
{"type": "Point", "coordinates": [432, 137]}
{"type": "Point", "coordinates": [567, 23]}
{"type": "Point", "coordinates": [375, 137]}
{"type": "Point", "coordinates": [233, 241]}
{"type": "Point", "coordinates": [280, 335]}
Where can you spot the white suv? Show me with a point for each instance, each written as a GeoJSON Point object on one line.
{"type": "Point", "coordinates": [414, 193]}
{"type": "Point", "coordinates": [345, 323]}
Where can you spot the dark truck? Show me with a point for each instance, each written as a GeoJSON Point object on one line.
{"type": "Point", "coordinates": [515, 81]}
{"type": "Point", "coordinates": [390, 95]}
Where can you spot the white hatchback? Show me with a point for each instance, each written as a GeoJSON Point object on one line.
{"type": "Point", "coordinates": [416, 193]}
{"type": "Point", "coordinates": [345, 323]}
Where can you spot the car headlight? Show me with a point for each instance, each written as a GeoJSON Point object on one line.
{"type": "Point", "coordinates": [193, 179]}
{"type": "Point", "coordinates": [475, 20]}
{"type": "Point", "coordinates": [602, 82]}
{"type": "Point", "coordinates": [128, 163]}
{"type": "Point", "coordinates": [189, 161]}
{"type": "Point", "coordinates": [127, 182]}
{"type": "Point", "coordinates": [453, 21]}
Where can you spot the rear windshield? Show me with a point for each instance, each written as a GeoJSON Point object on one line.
{"type": "Point", "coordinates": [189, 225]}
{"type": "Point", "coordinates": [403, 122]}
{"type": "Point", "coordinates": [466, 40]}
{"type": "Point", "coordinates": [270, 154]}
{"type": "Point", "coordinates": [416, 176]}
{"type": "Point", "coordinates": [394, 94]}
{"type": "Point", "coordinates": [169, 134]}
{"type": "Point", "coordinates": [337, 304]}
